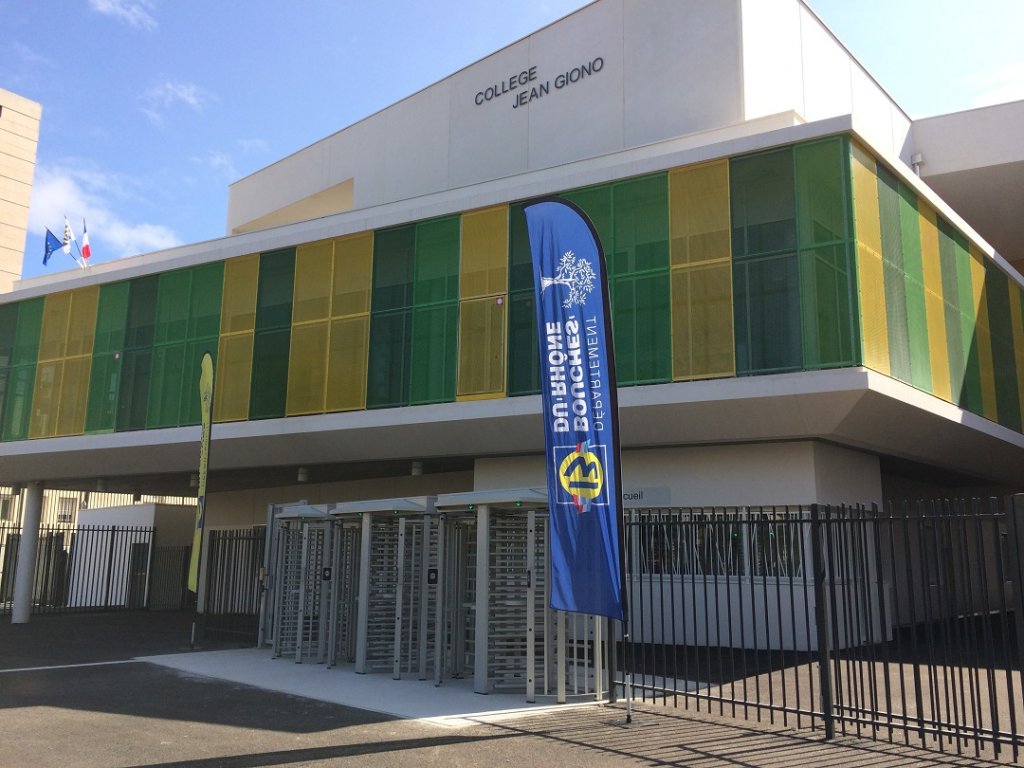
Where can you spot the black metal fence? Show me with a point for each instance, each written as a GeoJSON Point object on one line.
{"type": "Point", "coordinates": [903, 625]}
{"type": "Point", "coordinates": [234, 584]}
{"type": "Point", "coordinates": [88, 568]}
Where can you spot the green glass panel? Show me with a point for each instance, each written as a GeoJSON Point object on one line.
{"type": "Point", "coordinates": [393, 251]}
{"type": "Point", "coordinates": [18, 402]}
{"type": "Point", "coordinates": [766, 296]}
{"type": "Point", "coordinates": [822, 202]}
{"type": "Point", "coordinates": [165, 386]}
{"type": "Point", "coordinates": [26, 338]}
{"type": "Point", "coordinates": [997, 291]}
{"type": "Point", "coordinates": [762, 205]}
{"type": "Point", "coordinates": [104, 381]}
{"type": "Point", "coordinates": [172, 306]}
{"type": "Point", "coordinates": [8, 328]}
{"type": "Point", "coordinates": [640, 217]}
{"type": "Point", "coordinates": [191, 366]}
{"type": "Point", "coordinates": [274, 294]}
{"type": "Point", "coordinates": [110, 318]}
{"type": "Point", "coordinates": [523, 349]}
{"type": "Point", "coordinates": [387, 378]}
{"type": "Point", "coordinates": [139, 329]}
{"type": "Point", "coordinates": [437, 261]}
{"type": "Point", "coordinates": [433, 360]}
{"type": "Point", "coordinates": [596, 202]}
{"type": "Point", "coordinates": [641, 323]}
{"type": "Point", "coordinates": [133, 394]}
{"type": "Point", "coordinates": [520, 261]}
{"type": "Point", "coordinates": [826, 298]}
{"type": "Point", "coordinates": [269, 374]}
{"type": "Point", "coordinates": [204, 309]}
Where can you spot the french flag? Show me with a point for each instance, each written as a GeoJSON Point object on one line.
{"type": "Point", "coordinates": [86, 250]}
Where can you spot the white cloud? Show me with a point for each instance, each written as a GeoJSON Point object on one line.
{"type": "Point", "coordinates": [162, 96]}
{"type": "Point", "coordinates": [135, 13]}
{"type": "Point", "coordinates": [79, 193]}
{"type": "Point", "coordinates": [220, 163]}
{"type": "Point", "coordinates": [998, 87]}
{"type": "Point", "coordinates": [253, 145]}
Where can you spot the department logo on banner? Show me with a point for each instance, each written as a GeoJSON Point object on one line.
{"type": "Point", "coordinates": [580, 470]}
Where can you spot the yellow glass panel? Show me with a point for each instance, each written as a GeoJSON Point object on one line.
{"type": "Point", "coordinates": [482, 348]}
{"type": "Point", "coordinates": [238, 307]}
{"type": "Point", "coordinates": [1017, 323]}
{"type": "Point", "coordinates": [703, 341]}
{"type": "Point", "coordinates": [45, 398]}
{"type": "Point", "coordinates": [983, 335]}
{"type": "Point", "coordinates": [54, 333]}
{"type": "Point", "coordinates": [346, 367]}
{"type": "Point", "coordinates": [82, 321]}
{"type": "Point", "coordinates": [74, 396]}
{"type": "Point", "coordinates": [873, 318]}
{"type": "Point", "coordinates": [699, 219]}
{"type": "Point", "coordinates": [484, 264]}
{"type": "Point", "coordinates": [934, 308]}
{"type": "Point", "coordinates": [233, 378]}
{"type": "Point", "coordinates": [307, 369]}
{"type": "Point", "coordinates": [314, 265]}
{"type": "Point", "coordinates": [353, 275]}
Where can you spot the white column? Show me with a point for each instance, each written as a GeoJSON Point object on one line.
{"type": "Point", "coordinates": [25, 575]}
{"type": "Point", "coordinates": [481, 667]}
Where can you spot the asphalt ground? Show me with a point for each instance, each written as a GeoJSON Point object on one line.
{"type": "Point", "coordinates": [72, 696]}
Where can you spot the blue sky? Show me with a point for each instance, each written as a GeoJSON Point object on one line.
{"type": "Point", "coordinates": [152, 107]}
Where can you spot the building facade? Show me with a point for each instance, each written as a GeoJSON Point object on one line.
{"type": "Point", "coordinates": [19, 135]}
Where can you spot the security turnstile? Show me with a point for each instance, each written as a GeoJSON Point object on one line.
{"type": "Point", "coordinates": [302, 582]}
{"type": "Point", "coordinates": [346, 551]}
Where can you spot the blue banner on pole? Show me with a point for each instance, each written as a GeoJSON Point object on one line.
{"type": "Point", "coordinates": [578, 399]}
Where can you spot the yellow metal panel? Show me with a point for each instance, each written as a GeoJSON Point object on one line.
{"type": "Point", "coordinates": [484, 264]}
{"type": "Point", "coordinates": [346, 367]}
{"type": "Point", "coordinates": [703, 342]}
{"type": "Point", "coordinates": [74, 396]}
{"type": "Point", "coordinates": [82, 321]}
{"type": "Point", "coordinates": [54, 333]}
{"type": "Point", "coordinates": [353, 275]}
{"type": "Point", "coordinates": [983, 335]}
{"type": "Point", "coordinates": [938, 349]}
{"type": "Point", "coordinates": [45, 398]}
{"type": "Point", "coordinates": [233, 378]}
{"type": "Point", "coordinates": [1017, 323]}
{"type": "Point", "coordinates": [482, 348]}
{"type": "Point", "coordinates": [699, 219]}
{"type": "Point", "coordinates": [314, 267]}
{"type": "Point", "coordinates": [238, 307]}
{"type": "Point", "coordinates": [871, 282]}
{"type": "Point", "coordinates": [307, 369]}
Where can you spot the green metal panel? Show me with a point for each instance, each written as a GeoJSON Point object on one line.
{"type": "Point", "coordinates": [133, 395]}
{"type": "Point", "coordinates": [274, 293]}
{"type": "Point", "coordinates": [762, 204]}
{"type": "Point", "coordinates": [894, 275]}
{"type": "Point", "coordinates": [997, 289]}
{"type": "Point", "coordinates": [913, 268]}
{"type": "Point", "coordinates": [387, 381]}
{"type": "Point", "coordinates": [822, 199]}
{"type": "Point", "coordinates": [172, 302]}
{"type": "Point", "coordinates": [141, 323]}
{"type": "Point", "coordinates": [269, 373]}
{"type": "Point", "coordinates": [640, 226]}
{"type": "Point", "coordinates": [641, 307]}
{"type": "Point", "coordinates": [204, 308]}
{"type": "Point", "coordinates": [826, 298]}
{"type": "Point", "coordinates": [110, 318]}
{"type": "Point", "coordinates": [8, 328]}
{"type": "Point", "coordinates": [18, 401]}
{"type": "Point", "coordinates": [436, 265]}
{"type": "Point", "coordinates": [951, 309]}
{"type": "Point", "coordinates": [393, 253]}
{"type": "Point", "coordinates": [523, 350]}
{"type": "Point", "coordinates": [767, 308]}
{"type": "Point", "coordinates": [26, 338]}
{"type": "Point", "coordinates": [520, 261]}
{"type": "Point", "coordinates": [104, 381]}
{"type": "Point", "coordinates": [596, 202]}
{"type": "Point", "coordinates": [970, 396]}
{"type": "Point", "coordinates": [165, 386]}
{"type": "Point", "coordinates": [433, 359]}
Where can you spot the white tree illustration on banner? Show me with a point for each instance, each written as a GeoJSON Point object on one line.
{"type": "Point", "coordinates": [577, 275]}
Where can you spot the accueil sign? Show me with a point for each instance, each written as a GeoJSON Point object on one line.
{"type": "Point", "coordinates": [526, 86]}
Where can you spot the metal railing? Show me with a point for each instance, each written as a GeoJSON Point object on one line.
{"type": "Point", "coordinates": [903, 625]}
{"type": "Point", "coordinates": [234, 584]}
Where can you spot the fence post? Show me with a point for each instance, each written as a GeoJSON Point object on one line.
{"type": "Point", "coordinates": [1015, 526]}
{"type": "Point", "coordinates": [822, 610]}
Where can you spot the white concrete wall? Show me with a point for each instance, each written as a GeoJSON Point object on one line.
{"type": "Point", "coordinates": [130, 515]}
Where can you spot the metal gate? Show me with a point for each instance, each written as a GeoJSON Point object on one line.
{"type": "Point", "coordinates": [231, 599]}
{"type": "Point", "coordinates": [302, 592]}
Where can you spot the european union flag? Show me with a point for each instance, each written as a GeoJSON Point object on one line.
{"type": "Point", "coordinates": [52, 244]}
{"type": "Point", "coordinates": [578, 401]}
